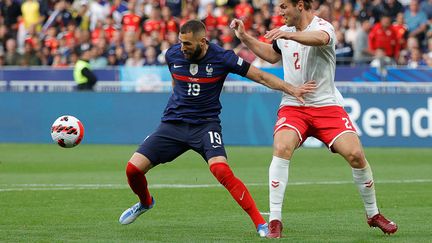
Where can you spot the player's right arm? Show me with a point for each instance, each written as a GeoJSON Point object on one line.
{"type": "Point", "coordinates": [263, 50]}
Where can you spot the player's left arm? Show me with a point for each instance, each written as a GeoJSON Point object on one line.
{"type": "Point", "coordinates": [276, 83]}
{"type": "Point", "coordinates": [308, 38]}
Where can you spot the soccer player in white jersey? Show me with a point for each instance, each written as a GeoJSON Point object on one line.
{"type": "Point", "coordinates": [306, 46]}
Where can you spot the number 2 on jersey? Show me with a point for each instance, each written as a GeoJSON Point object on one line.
{"type": "Point", "coordinates": [296, 62]}
{"type": "Point", "coordinates": [194, 89]}
{"type": "Point", "coordinates": [347, 122]}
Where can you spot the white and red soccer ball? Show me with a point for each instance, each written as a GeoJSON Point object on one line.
{"type": "Point", "coordinates": [67, 131]}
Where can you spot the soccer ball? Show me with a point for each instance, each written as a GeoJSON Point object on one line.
{"type": "Point", "coordinates": [67, 131]}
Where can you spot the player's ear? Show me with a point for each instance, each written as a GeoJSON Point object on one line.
{"type": "Point", "coordinates": [300, 5]}
{"type": "Point", "coordinates": [203, 41]}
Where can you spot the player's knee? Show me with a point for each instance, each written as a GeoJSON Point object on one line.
{"type": "Point", "coordinates": [356, 158]}
{"type": "Point", "coordinates": [132, 170]}
{"type": "Point", "coordinates": [283, 150]}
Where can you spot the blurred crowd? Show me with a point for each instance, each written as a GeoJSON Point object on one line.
{"type": "Point", "coordinates": [138, 32]}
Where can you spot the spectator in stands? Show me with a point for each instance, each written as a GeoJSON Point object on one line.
{"type": "Point", "coordinates": [71, 20]}
{"type": "Point", "coordinates": [59, 60]}
{"type": "Point", "coordinates": [118, 9]}
{"type": "Point", "coordinates": [426, 6]}
{"type": "Point", "coordinates": [61, 15]}
{"type": "Point", "coordinates": [428, 55]}
{"type": "Point", "coordinates": [136, 59]}
{"type": "Point", "coordinates": [209, 18]}
{"type": "Point", "coordinates": [352, 31]}
{"type": "Point", "coordinates": [401, 31]}
{"type": "Point", "coordinates": [4, 34]}
{"type": "Point", "coordinates": [361, 45]}
{"type": "Point", "coordinates": [82, 17]}
{"type": "Point", "coordinates": [163, 49]}
{"type": "Point", "coordinates": [31, 14]}
{"type": "Point", "coordinates": [2, 58]}
{"type": "Point", "coordinates": [131, 20]}
{"type": "Point", "coordinates": [175, 6]}
{"type": "Point", "coordinates": [405, 54]}
{"type": "Point", "coordinates": [150, 56]}
{"type": "Point", "coordinates": [99, 10]}
{"type": "Point", "coordinates": [10, 11]}
{"type": "Point", "coordinates": [363, 10]}
{"type": "Point", "coordinates": [244, 11]}
{"type": "Point", "coordinates": [383, 36]}
{"type": "Point", "coordinates": [169, 23]}
{"type": "Point", "coordinates": [112, 59]}
{"type": "Point", "coordinates": [154, 22]}
{"type": "Point", "coordinates": [416, 21]}
{"type": "Point", "coordinates": [72, 58]}
{"type": "Point", "coordinates": [381, 61]}
{"type": "Point", "coordinates": [98, 60]}
{"type": "Point", "coordinates": [416, 59]}
{"type": "Point", "coordinates": [30, 57]}
{"type": "Point", "coordinates": [121, 55]}
{"type": "Point", "coordinates": [12, 57]}
{"type": "Point", "coordinates": [344, 51]}
{"type": "Point", "coordinates": [378, 9]}
{"type": "Point", "coordinates": [83, 75]}
{"type": "Point", "coordinates": [393, 8]}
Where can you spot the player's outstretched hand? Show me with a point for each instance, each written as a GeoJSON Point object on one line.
{"type": "Point", "coordinates": [306, 88]}
{"type": "Point", "coordinates": [275, 34]}
{"type": "Point", "coordinates": [238, 27]}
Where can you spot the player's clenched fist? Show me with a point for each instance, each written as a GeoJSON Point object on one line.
{"type": "Point", "coordinates": [238, 27]}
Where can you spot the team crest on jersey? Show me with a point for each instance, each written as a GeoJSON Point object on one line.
{"type": "Point", "coordinates": [209, 70]}
{"type": "Point", "coordinates": [193, 69]}
{"type": "Point", "coordinates": [280, 121]}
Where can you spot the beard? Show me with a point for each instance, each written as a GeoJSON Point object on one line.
{"type": "Point", "coordinates": [194, 55]}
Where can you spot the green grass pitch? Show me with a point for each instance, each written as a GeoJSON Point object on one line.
{"type": "Point", "coordinates": [50, 194]}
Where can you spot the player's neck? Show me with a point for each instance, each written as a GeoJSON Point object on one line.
{"type": "Point", "coordinates": [204, 52]}
{"type": "Point", "coordinates": [305, 20]}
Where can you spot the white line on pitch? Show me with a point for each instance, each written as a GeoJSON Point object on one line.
{"type": "Point", "coordinates": [61, 187]}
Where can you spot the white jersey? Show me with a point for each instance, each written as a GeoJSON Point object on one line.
{"type": "Point", "coordinates": [303, 63]}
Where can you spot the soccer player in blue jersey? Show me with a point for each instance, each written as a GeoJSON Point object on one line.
{"type": "Point", "coordinates": [191, 118]}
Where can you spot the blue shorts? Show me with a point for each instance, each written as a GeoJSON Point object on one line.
{"type": "Point", "coordinates": [173, 138]}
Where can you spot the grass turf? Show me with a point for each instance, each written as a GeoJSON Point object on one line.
{"type": "Point", "coordinates": [50, 194]}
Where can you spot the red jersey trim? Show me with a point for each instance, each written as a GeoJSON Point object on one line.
{"type": "Point", "coordinates": [196, 80]}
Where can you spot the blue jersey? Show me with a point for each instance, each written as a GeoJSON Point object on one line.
{"type": "Point", "coordinates": [198, 84]}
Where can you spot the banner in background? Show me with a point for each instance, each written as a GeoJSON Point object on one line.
{"type": "Point", "coordinates": [382, 120]}
{"type": "Point", "coordinates": [144, 75]}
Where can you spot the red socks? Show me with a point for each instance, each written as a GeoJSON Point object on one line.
{"type": "Point", "coordinates": [238, 190]}
{"type": "Point", "coordinates": [138, 183]}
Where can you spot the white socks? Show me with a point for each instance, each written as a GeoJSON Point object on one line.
{"type": "Point", "coordinates": [278, 179]}
{"type": "Point", "coordinates": [364, 181]}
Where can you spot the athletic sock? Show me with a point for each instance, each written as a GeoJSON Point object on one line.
{"type": "Point", "coordinates": [238, 190]}
{"type": "Point", "coordinates": [278, 179]}
{"type": "Point", "coordinates": [364, 180]}
{"type": "Point", "coordinates": [138, 183]}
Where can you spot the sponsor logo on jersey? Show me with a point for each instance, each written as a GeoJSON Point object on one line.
{"type": "Point", "coordinates": [177, 66]}
{"type": "Point", "coordinates": [209, 70]}
{"type": "Point", "coordinates": [193, 69]}
{"type": "Point", "coordinates": [280, 121]}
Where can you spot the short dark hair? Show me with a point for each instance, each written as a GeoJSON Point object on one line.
{"type": "Point", "coordinates": [307, 3]}
{"type": "Point", "coordinates": [194, 26]}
